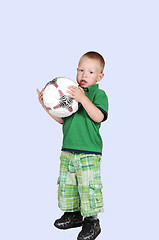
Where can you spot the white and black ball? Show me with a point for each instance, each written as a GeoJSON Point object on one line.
{"type": "Point", "coordinates": [56, 99]}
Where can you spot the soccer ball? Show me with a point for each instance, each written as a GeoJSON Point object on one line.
{"type": "Point", "coordinates": [56, 99]}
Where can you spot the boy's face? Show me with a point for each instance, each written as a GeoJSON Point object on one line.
{"type": "Point", "coordinates": [88, 72]}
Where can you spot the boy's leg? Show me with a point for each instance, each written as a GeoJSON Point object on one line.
{"type": "Point", "coordinates": [89, 185]}
{"type": "Point", "coordinates": [68, 197]}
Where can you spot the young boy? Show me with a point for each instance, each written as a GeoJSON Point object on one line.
{"type": "Point", "coordinates": [79, 190]}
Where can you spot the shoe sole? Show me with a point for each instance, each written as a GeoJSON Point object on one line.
{"type": "Point", "coordinates": [96, 235]}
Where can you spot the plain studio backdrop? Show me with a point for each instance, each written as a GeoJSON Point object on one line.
{"type": "Point", "coordinates": [41, 40]}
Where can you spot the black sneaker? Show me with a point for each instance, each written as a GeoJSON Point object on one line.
{"type": "Point", "coordinates": [69, 220]}
{"type": "Point", "coordinates": [90, 230]}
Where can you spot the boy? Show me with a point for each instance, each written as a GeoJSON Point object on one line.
{"type": "Point", "coordinates": [79, 190]}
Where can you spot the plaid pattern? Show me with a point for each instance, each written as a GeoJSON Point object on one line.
{"type": "Point", "coordinates": [80, 183]}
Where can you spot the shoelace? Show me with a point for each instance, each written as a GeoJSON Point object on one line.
{"type": "Point", "coordinates": [65, 215]}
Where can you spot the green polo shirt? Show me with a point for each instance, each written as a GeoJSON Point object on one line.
{"type": "Point", "coordinates": [80, 132]}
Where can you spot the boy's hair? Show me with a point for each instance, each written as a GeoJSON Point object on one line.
{"type": "Point", "coordinates": [96, 56]}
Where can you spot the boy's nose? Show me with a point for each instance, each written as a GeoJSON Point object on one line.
{"type": "Point", "coordinates": [84, 74]}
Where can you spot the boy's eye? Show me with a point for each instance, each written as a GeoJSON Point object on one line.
{"type": "Point", "coordinates": [81, 70]}
{"type": "Point", "coordinates": [91, 72]}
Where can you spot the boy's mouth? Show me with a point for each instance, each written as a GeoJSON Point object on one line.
{"type": "Point", "coordinates": [83, 82]}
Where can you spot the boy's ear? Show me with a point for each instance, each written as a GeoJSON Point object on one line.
{"type": "Point", "coordinates": [101, 75]}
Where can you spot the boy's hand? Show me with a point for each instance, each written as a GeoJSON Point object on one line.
{"type": "Point", "coordinates": [76, 93]}
{"type": "Point", "coordinates": [40, 96]}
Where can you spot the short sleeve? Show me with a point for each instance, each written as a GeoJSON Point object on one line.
{"type": "Point", "coordinates": [101, 101]}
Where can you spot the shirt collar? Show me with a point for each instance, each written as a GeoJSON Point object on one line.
{"type": "Point", "coordinates": [93, 87]}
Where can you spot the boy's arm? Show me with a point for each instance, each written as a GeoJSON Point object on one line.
{"type": "Point", "coordinates": [78, 94]}
{"type": "Point", "coordinates": [94, 113]}
{"type": "Point", "coordinates": [40, 96]}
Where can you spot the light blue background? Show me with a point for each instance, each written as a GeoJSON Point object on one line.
{"type": "Point", "coordinates": [44, 39]}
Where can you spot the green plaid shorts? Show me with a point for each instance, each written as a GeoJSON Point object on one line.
{"type": "Point", "coordinates": [79, 183]}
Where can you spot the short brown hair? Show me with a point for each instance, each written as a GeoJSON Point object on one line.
{"type": "Point", "coordinates": [96, 56]}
